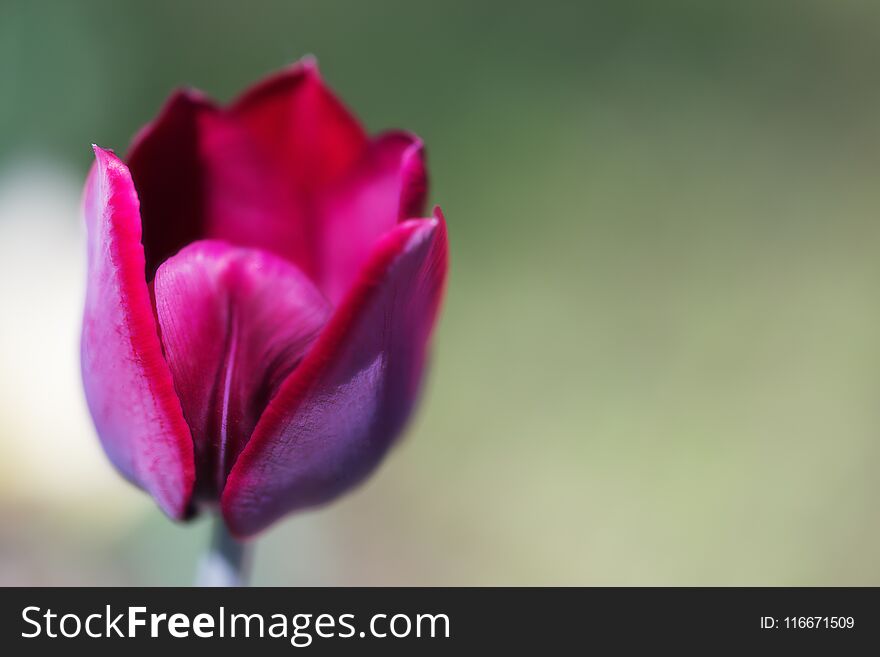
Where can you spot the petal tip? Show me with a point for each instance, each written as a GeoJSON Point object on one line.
{"type": "Point", "coordinates": [415, 151]}
{"type": "Point", "coordinates": [413, 143]}
{"type": "Point", "coordinates": [107, 160]}
{"type": "Point", "coordinates": [304, 69]}
{"type": "Point", "coordinates": [190, 94]}
{"type": "Point", "coordinates": [308, 63]}
{"type": "Point", "coordinates": [417, 143]}
{"type": "Point", "coordinates": [183, 102]}
{"type": "Point", "coordinates": [186, 98]}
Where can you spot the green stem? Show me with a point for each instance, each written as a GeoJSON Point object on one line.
{"type": "Point", "coordinates": [227, 561]}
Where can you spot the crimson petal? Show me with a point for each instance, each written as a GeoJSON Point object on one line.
{"type": "Point", "coordinates": [305, 139]}
{"type": "Point", "coordinates": [167, 163]}
{"type": "Point", "coordinates": [336, 415]}
{"type": "Point", "coordinates": [252, 174]}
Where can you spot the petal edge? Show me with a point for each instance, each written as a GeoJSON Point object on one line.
{"type": "Point", "coordinates": [336, 416]}
{"type": "Point", "coordinates": [127, 382]}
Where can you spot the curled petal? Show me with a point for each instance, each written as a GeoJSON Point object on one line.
{"type": "Point", "coordinates": [127, 382]}
{"type": "Point", "coordinates": [167, 163]}
{"type": "Point", "coordinates": [335, 416]}
{"type": "Point", "coordinates": [235, 322]}
{"type": "Point", "coordinates": [387, 185]}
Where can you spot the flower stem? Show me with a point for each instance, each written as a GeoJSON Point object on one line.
{"type": "Point", "coordinates": [226, 563]}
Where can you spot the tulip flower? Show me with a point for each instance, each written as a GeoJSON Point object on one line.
{"type": "Point", "coordinates": [262, 288]}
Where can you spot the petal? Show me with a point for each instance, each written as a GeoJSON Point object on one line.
{"type": "Point", "coordinates": [336, 415]}
{"type": "Point", "coordinates": [304, 139]}
{"type": "Point", "coordinates": [235, 322]}
{"type": "Point", "coordinates": [387, 185]}
{"type": "Point", "coordinates": [252, 174]}
{"type": "Point", "coordinates": [300, 126]}
{"type": "Point", "coordinates": [168, 168]}
{"type": "Point", "coordinates": [127, 382]}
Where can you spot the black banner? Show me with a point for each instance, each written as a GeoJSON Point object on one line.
{"type": "Point", "coordinates": [435, 621]}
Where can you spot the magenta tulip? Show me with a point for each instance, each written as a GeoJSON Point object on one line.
{"type": "Point", "coordinates": [261, 294]}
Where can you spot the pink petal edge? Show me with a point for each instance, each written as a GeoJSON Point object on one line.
{"type": "Point", "coordinates": [127, 382]}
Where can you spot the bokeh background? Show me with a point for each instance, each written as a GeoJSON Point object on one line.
{"type": "Point", "coordinates": [659, 361]}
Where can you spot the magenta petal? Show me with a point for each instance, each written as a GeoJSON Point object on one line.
{"type": "Point", "coordinates": [235, 322]}
{"type": "Point", "coordinates": [336, 415]}
{"type": "Point", "coordinates": [127, 382]}
{"type": "Point", "coordinates": [387, 185]}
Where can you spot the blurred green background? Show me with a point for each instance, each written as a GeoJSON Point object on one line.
{"type": "Point", "coordinates": [659, 361]}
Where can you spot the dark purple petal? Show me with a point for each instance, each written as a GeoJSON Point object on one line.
{"type": "Point", "coordinates": [337, 414]}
